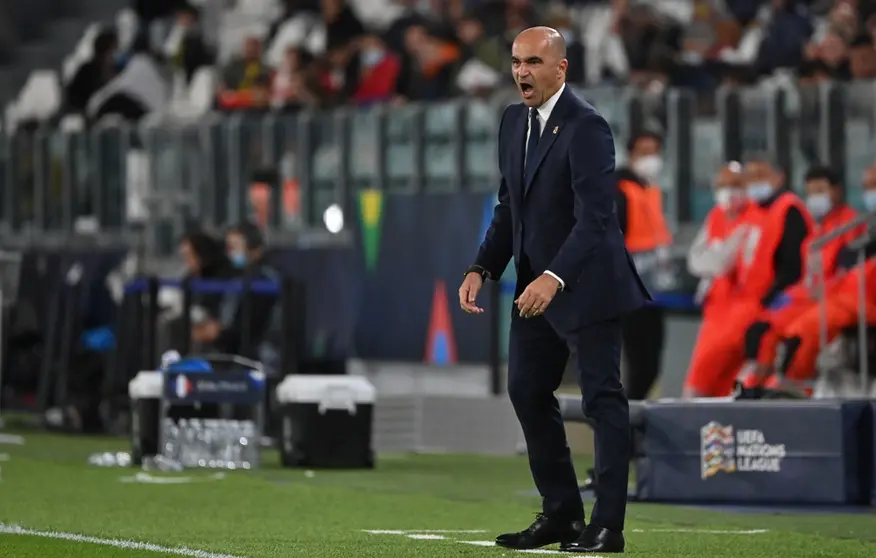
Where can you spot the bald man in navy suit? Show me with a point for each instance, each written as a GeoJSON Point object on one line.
{"type": "Point", "coordinates": [556, 217]}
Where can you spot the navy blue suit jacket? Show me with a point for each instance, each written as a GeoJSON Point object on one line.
{"type": "Point", "coordinates": [564, 216]}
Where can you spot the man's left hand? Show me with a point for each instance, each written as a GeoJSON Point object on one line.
{"type": "Point", "coordinates": [537, 296]}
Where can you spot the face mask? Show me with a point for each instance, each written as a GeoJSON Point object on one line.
{"type": "Point", "coordinates": [648, 167]}
{"type": "Point", "coordinates": [819, 205]}
{"type": "Point", "coordinates": [238, 259]}
{"type": "Point", "coordinates": [371, 57]}
{"type": "Point", "coordinates": [759, 191]}
{"type": "Point", "coordinates": [870, 200]}
{"type": "Point", "coordinates": [723, 197]}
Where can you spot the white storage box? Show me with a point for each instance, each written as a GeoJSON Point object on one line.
{"type": "Point", "coordinates": [327, 421]}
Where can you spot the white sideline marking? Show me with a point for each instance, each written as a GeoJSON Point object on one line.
{"type": "Point", "coordinates": [12, 439]}
{"type": "Point", "coordinates": [542, 551]}
{"type": "Point", "coordinates": [413, 531]}
{"type": "Point", "coordinates": [117, 543]}
{"type": "Point", "coordinates": [146, 478]}
{"type": "Point", "coordinates": [426, 537]}
{"type": "Point", "coordinates": [463, 531]}
{"type": "Point", "coordinates": [706, 531]}
{"type": "Point", "coordinates": [479, 543]}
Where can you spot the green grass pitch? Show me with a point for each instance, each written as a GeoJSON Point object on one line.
{"type": "Point", "coordinates": [54, 505]}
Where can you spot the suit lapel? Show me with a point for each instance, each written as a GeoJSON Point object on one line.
{"type": "Point", "coordinates": [547, 139]}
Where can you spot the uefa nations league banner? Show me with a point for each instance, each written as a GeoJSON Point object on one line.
{"type": "Point", "coordinates": [758, 452]}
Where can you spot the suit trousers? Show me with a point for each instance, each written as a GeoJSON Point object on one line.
{"type": "Point", "coordinates": [537, 360]}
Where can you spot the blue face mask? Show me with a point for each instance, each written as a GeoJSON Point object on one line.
{"type": "Point", "coordinates": [819, 205]}
{"type": "Point", "coordinates": [238, 259]}
{"type": "Point", "coordinates": [759, 191]}
{"type": "Point", "coordinates": [870, 200]}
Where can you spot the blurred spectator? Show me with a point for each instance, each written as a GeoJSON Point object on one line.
{"type": "Point", "coordinates": [245, 79]}
{"type": "Point", "coordinates": [185, 46]}
{"type": "Point", "coordinates": [505, 18]}
{"type": "Point", "coordinates": [137, 90]}
{"type": "Point", "coordinates": [862, 58]}
{"type": "Point", "coordinates": [155, 17]}
{"type": "Point", "coordinates": [787, 28]}
{"type": "Point", "coordinates": [490, 50]}
{"type": "Point", "coordinates": [289, 87]}
{"type": "Point", "coordinates": [205, 258]}
{"type": "Point", "coordinates": [376, 73]}
{"type": "Point", "coordinates": [94, 74]}
{"type": "Point", "coordinates": [560, 19]}
{"type": "Point", "coordinates": [652, 42]}
{"type": "Point", "coordinates": [228, 333]}
{"type": "Point", "coordinates": [341, 24]}
{"type": "Point", "coordinates": [430, 67]}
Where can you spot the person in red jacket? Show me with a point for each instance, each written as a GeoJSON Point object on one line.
{"type": "Point", "coordinates": [825, 201]}
{"type": "Point", "coordinates": [770, 259]}
{"type": "Point", "coordinates": [800, 339]}
{"type": "Point", "coordinates": [712, 253]}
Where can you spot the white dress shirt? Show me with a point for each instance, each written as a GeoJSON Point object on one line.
{"type": "Point", "coordinates": [544, 113]}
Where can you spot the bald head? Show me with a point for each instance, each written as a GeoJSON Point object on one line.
{"type": "Point", "coordinates": [550, 39]}
{"type": "Point", "coordinates": [538, 62]}
{"type": "Point", "coordinates": [730, 176]}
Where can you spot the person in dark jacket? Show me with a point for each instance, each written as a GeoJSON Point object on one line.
{"type": "Point", "coordinates": [205, 258]}
{"type": "Point", "coordinates": [241, 330]}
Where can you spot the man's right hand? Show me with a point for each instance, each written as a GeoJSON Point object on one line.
{"type": "Point", "coordinates": [468, 292]}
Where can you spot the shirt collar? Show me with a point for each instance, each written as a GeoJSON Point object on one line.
{"type": "Point", "coordinates": [545, 110]}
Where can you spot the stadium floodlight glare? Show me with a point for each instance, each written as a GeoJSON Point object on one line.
{"type": "Point", "coordinates": [333, 218]}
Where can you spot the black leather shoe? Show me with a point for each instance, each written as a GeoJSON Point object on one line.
{"type": "Point", "coordinates": [542, 532]}
{"type": "Point", "coordinates": [596, 540]}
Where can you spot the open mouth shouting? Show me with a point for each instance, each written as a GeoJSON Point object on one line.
{"type": "Point", "coordinates": [527, 90]}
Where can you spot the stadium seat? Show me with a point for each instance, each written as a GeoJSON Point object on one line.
{"type": "Point", "coordinates": [377, 14]}
{"type": "Point", "coordinates": [294, 32]}
{"type": "Point", "coordinates": [40, 98]}
{"type": "Point", "coordinates": [202, 89]}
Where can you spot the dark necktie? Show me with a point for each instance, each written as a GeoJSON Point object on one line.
{"type": "Point", "coordinates": [534, 133]}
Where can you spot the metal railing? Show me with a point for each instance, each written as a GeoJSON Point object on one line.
{"type": "Point", "coordinates": [817, 280]}
{"type": "Point", "coordinates": [114, 174]}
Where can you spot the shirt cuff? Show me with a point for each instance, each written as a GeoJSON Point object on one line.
{"type": "Point", "coordinates": [557, 277]}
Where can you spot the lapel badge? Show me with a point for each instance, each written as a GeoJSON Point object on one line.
{"type": "Point", "coordinates": [556, 129]}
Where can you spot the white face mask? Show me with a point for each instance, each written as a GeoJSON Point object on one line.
{"type": "Point", "coordinates": [729, 198]}
{"type": "Point", "coordinates": [759, 191]}
{"type": "Point", "coordinates": [723, 197]}
{"type": "Point", "coordinates": [819, 205]}
{"type": "Point", "coordinates": [648, 167]}
{"type": "Point", "coordinates": [870, 200]}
